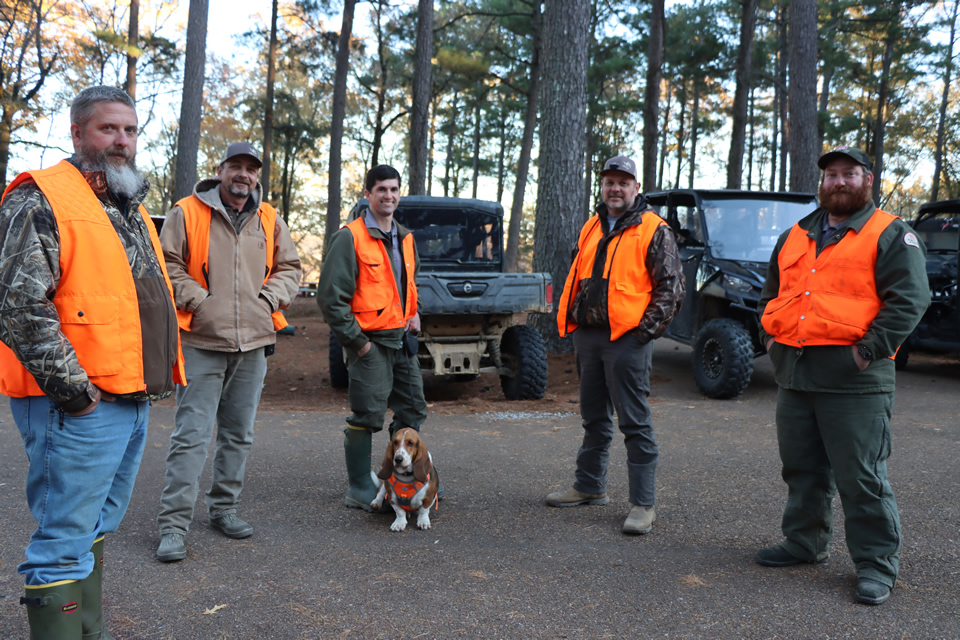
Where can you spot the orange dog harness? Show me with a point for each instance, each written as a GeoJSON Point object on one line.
{"type": "Point", "coordinates": [406, 490]}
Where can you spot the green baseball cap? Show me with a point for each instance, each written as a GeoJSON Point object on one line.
{"type": "Point", "coordinates": [844, 151]}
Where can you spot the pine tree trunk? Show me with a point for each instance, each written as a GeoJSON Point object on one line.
{"type": "Point", "coordinates": [338, 114]}
{"type": "Point", "coordinates": [512, 255]}
{"type": "Point", "coordinates": [881, 122]}
{"type": "Point", "coordinates": [133, 38]}
{"type": "Point", "coordinates": [651, 98]}
{"type": "Point", "coordinates": [744, 82]}
{"type": "Point", "coordinates": [420, 107]}
{"type": "Point", "coordinates": [191, 108]}
{"type": "Point", "coordinates": [802, 89]}
{"type": "Point", "coordinates": [944, 102]}
{"type": "Point", "coordinates": [268, 108]}
{"type": "Point", "coordinates": [566, 32]}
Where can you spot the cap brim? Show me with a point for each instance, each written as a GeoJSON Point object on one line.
{"type": "Point", "coordinates": [827, 158]}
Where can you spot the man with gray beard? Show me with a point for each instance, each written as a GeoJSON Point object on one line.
{"type": "Point", "coordinates": [89, 336]}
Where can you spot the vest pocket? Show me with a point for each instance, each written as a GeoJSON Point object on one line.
{"type": "Point", "coordinates": [92, 325]}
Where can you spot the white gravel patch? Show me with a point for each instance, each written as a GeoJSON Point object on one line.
{"type": "Point", "coordinates": [526, 415]}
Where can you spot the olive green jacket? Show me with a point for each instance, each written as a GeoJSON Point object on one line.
{"type": "Point", "coordinates": [901, 278]}
{"type": "Point", "coordinates": [338, 283]}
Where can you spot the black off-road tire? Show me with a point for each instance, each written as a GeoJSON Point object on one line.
{"type": "Point", "coordinates": [722, 358]}
{"type": "Point", "coordinates": [339, 378]}
{"type": "Point", "coordinates": [523, 351]}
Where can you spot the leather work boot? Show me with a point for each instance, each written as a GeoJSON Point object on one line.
{"type": "Point", "coordinates": [171, 547]}
{"type": "Point", "coordinates": [777, 556]}
{"type": "Point", "coordinates": [571, 498]}
{"type": "Point", "coordinates": [91, 588]}
{"type": "Point", "coordinates": [230, 525]}
{"type": "Point", "coordinates": [872, 592]}
{"type": "Point", "coordinates": [640, 520]}
{"type": "Point", "coordinates": [53, 610]}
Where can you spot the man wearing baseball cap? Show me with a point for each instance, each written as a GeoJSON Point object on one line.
{"type": "Point", "coordinates": [845, 287]}
{"type": "Point", "coordinates": [624, 287]}
{"type": "Point", "coordinates": [234, 267]}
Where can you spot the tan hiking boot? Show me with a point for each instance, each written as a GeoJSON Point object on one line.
{"type": "Point", "coordinates": [640, 520]}
{"type": "Point", "coordinates": [572, 497]}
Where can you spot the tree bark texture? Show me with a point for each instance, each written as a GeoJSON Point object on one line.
{"type": "Point", "coordinates": [563, 101]}
{"type": "Point", "coordinates": [133, 38]}
{"type": "Point", "coordinates": [191, 108]}
{"type": "Point", "coordinates": [267, 156]}
{"type": "Point", "coordinates": [802, 96]}
{"type": "Point", "coordinates": [512, 255]}
{"type": "Point", "coordinates": [651, 98]}
{"type": "Point", "coordinates": [744, 81]}
{"type": "Point", "coordinates": [336, 122]}
{"type": "Point", "coordinates": [420, 109]}
{"type": "Point", "coordinates": [944, 101]}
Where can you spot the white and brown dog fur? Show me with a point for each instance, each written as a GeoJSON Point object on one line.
{"type": "Point", "coordinates": [407, 458]}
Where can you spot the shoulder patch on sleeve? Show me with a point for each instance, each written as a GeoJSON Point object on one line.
{"type": "Point", "coordinates": [910, 239]}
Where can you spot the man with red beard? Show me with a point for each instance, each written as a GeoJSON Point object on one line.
{"type": "Point", "coordinates": [845, 287]}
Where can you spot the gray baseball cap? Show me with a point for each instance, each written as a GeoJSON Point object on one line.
{"type": "Point", "coordinates": [620, 163]}
{"type": "Point", "coordinates": [241, 149]}
{"type": "Point", "coordinates": [844, 151]}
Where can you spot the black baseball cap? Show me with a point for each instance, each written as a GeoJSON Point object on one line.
{"type": "Point", "coordinates": [849, 152]}
{"type": "Point", "coordinates": [241, 149]}
{"type": "Point", "coordinates": [620, 163]}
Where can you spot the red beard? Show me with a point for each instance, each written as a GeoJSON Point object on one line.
{"type": "Point", "coordinates": [843, 201]}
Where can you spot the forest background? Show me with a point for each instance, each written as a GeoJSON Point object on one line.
{"type": "Point", "coordinates": [519, 101]}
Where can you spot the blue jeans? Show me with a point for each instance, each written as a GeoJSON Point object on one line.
{"type": "Point", "coordinates": [79, 480]}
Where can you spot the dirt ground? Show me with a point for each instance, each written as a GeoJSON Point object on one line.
{"type": "Point", "coordinates": [298, 378]}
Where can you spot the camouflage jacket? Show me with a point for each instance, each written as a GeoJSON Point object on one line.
{"type": "Point", "coordinates": [30, 273]}
{"type": "Point", "coordinates": [589, 307]}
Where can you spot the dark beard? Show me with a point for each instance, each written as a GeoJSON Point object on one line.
{"type": "Point", "coordinates": [844, 201]}
{"type": "Point", "coordinates": [123, 181]}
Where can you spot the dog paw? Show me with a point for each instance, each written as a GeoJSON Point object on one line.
{"type": "Point", "coordinates": [423, 523]}
{"type": "Point", "coordinates": [399, 525]}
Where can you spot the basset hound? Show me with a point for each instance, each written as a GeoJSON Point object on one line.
{"type": "Point", "coordinates": [408, 477]}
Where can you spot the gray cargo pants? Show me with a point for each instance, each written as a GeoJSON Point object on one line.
{"type": "Point", "coordinates": [223, 389]}
{"type": "Point", "coordinates": [615, 375]}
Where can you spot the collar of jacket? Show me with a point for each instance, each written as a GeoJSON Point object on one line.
{"type": "Point", "coordinates": [207, 191]}
{"type": "Point", "coordinates": [98, 184]}
{"type": "Point", "coordinates": [813, 222]}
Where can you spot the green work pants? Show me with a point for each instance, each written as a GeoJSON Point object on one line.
{"type": "Point", "coordinates": [832, 442]}
{"type": "Point", "coordinates": [385, 378]}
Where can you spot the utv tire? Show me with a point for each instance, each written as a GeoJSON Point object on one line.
{"type": "Point", "coordinates": [339, 378]}
{"type": "Point", "coordinates": [722, 358]}
{"type": "Point", "coordinates": [524, 353]}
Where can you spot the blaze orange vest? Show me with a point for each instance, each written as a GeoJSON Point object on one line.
{"type": "Point", "coordinates": [376, 302]}
{"type": "Point", "coordinates": [197, 217]}
{"type": "Point", "coordinates": [630, 284]}
{"type": "Point", "coordinates": [831, 298]}
{"type": "Point", "coordinates": [96, 297]}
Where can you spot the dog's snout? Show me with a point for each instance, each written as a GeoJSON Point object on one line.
{"type": "Point", "coordinates": [398, 460]}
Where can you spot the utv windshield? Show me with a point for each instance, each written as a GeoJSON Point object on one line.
{"type": "Point", "coordinates": [462, 236]}
{"type": "Point", "coordinates": [747, 230]}
{"type": "Point", "coordinates": [940, 232]}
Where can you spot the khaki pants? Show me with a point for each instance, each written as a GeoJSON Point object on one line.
{"type": "Point", "coordinates": [224, 390]}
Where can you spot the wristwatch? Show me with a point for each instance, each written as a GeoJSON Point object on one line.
{"type": "Point", "coordinates": [80, 402]}
{"type": "Point", "coordinates": [865, 352]}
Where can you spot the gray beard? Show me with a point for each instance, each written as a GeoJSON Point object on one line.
{"type": "Point", "coordinates": [124, 181]}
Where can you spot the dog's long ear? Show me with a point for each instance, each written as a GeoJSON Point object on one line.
{"type": "Point", "coordinates": [386, 467]}
{"type": "Point", "coordinates": [421, 463]}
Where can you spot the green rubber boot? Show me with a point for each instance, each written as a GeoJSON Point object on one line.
{"type": "Point", "coordinates": [92, 588]}
{"type": "Point", "coordinates": [54, 610]}
{"type": "Point", "coordinates": [357, 445]}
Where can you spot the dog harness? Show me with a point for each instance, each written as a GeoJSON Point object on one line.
{"type": "Point", "coordinates": [406, 490]}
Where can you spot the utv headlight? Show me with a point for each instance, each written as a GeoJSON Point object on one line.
{"type": "Point", "coordinates": [733, 283]}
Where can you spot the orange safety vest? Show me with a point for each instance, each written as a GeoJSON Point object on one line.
{"type": "Point", "coordinates": [376, 301]}
{"type": "Point", "coordinates": [630, 284]}
{"type": "Point", "coordinates": [831, 298]}
{"type": "Point", "coordinates": [197, 217]}
{"type": "Point", "coordinates": [406, 490]}
{"type": "Point", "coordinates": [96, 297]}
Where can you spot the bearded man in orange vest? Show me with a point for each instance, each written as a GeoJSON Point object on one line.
{"type": "Point", "coordinates": [845, 287]}
{"type": "Point", "coordinates": [624, 287]}
{"type": "Point", "coordinates": [234, 268]}
{"type": "Point", "coordinates": [89, 339]}
{"type": "Point", "coordinates": [368, 295]}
